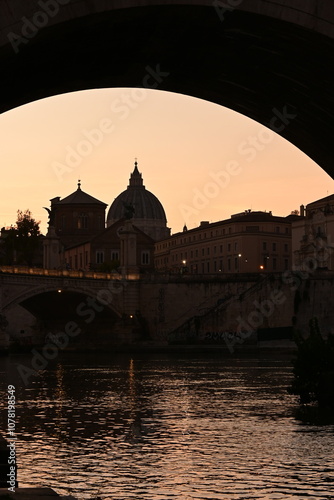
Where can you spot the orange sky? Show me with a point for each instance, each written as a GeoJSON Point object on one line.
{"type": "Point", "coordinates": [200, 159]}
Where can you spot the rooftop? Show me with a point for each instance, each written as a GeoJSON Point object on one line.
{"type": "Point", "coordinates": [78, 197]}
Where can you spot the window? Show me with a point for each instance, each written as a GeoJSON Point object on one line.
{"type": "Point", "coordinates": [277, 229]}
{"type": "Point", "coordinates": [196, 253]}
{"type": "Point", "coordinates": [208, 267]}
{"type": "Point", "coordinates": [145, 257]}
{"type": "Point", "coordinates": [215, 266]}
{"type": "Point", "coordinates": [75, 262]}
{"type": "Point", "coordinates": [286, 247]}
{"type": "Point", "coordinates": [229, 230]}
{"type": "Point", "coordinates": [286, 230]}
{"type": "Point", "coordinates": [229, 264]}
{"type": "Point", "coordinates": [221, 248]}
{"type": "Point", "coordinates": [80, 260]}
{"type": "Point", "coordinates": [202, 252]}
{"type": "Point", "coordinates": [220, 265]}
{"type": "Point", "coordinates": [229, 247]}
{"type": "Point", "coordinates": [114, 255]}
{"type": "Point", "coordinates": [264, 245]}
{"type": "Point", "coordinates": [236, 263]}
{"type": "Point", "coordinates": [274, 247]}
{"type": "Point", "coordinates": [191, 254]}
{"type": "Point", "coordinates": [235, 246]}
{"type": "Point", "coordinates": [99, 257]}
{"type": "Point", "coordinates": [286, 264]}
{"type": "Point", "coordinates": [83, 221]}
{"type": "Point", "coordinates": [86, 257]}
{"type": "Point", "coordinates": [208, 251]}
{"type": "Point", "coordinates": [214, 249]}
{"type": "Point", "coordinates": [274, 264]}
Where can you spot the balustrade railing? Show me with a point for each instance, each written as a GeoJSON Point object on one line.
{"type": "Point", "coordinates": [36, 271]}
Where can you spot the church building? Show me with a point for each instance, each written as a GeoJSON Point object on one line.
{"type": "Point", "coordinates": [78, 217]}
{"type": "Point", "coordinates": [148, 215]}
{"type": "Point", "coordinates": [78, 223]}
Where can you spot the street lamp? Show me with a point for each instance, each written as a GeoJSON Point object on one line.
{"type": "Point", "coordinates": [184, 266]}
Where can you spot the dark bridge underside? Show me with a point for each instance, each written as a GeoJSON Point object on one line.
{"type": "Point", "coordinates": [248, 63]}
{"type": "Point", "coordinates": [54, 307]}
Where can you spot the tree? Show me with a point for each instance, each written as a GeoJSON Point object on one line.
{"type": "Point", "coordinates": [22, 241]}
{"type": "Point", "coordinates": [26, 226]}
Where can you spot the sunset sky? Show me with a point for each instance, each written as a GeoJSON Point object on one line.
{"type": "Point", "coordinates": [203, 161]}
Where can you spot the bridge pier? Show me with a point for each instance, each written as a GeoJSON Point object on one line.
{"type": "Point", "coordinates": [51, 250]}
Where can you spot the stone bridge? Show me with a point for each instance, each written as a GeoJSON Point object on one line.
{"type": "Point", "coordinates": [175, 308]}
{"type": "Point", "coordinates": [269, 60]}
{"type": "Point", "coordinates": [110, 306]}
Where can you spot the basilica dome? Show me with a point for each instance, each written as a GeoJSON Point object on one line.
{"type": "Point", "coordinates": [148, 213]}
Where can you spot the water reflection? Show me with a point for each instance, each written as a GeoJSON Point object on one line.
{"type": "Point", "coordinates": [159, 427]}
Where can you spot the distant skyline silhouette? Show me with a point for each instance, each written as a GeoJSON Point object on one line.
{"type": "Point", "coordinates": [203, 161]}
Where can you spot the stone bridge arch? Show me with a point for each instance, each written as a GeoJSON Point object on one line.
{"type": "Point", "coordinates": [270, 61]}
{"type": "Point", "coordinates": [31, 307]}
{"type": "Point", "coordinates": [23, 295]}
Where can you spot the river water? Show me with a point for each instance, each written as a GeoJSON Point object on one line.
{"type": "Point", "coordinates": [168, 426]}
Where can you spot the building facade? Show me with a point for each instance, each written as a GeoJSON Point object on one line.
{"type": "Point", "coordinates": [78, 235]}
{"type": "Point", "coordinates": [313, 235]}
{"type": "Point", "coordinates": [77, 217]}
{"type": "Point", "coordinates": [103, 252]}
{"type": "Point", "coordinates": [246, 243]}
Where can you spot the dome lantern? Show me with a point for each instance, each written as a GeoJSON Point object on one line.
{"type": "Point", "coordinates": [136, 177]}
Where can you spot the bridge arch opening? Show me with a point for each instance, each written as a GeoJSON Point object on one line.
{"type": "Point", "coordinates": [221, 161]}
{"type": "Point", "coordinates": [253, 59]}
{"type": "Point", "coordinates": [63, 311]}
